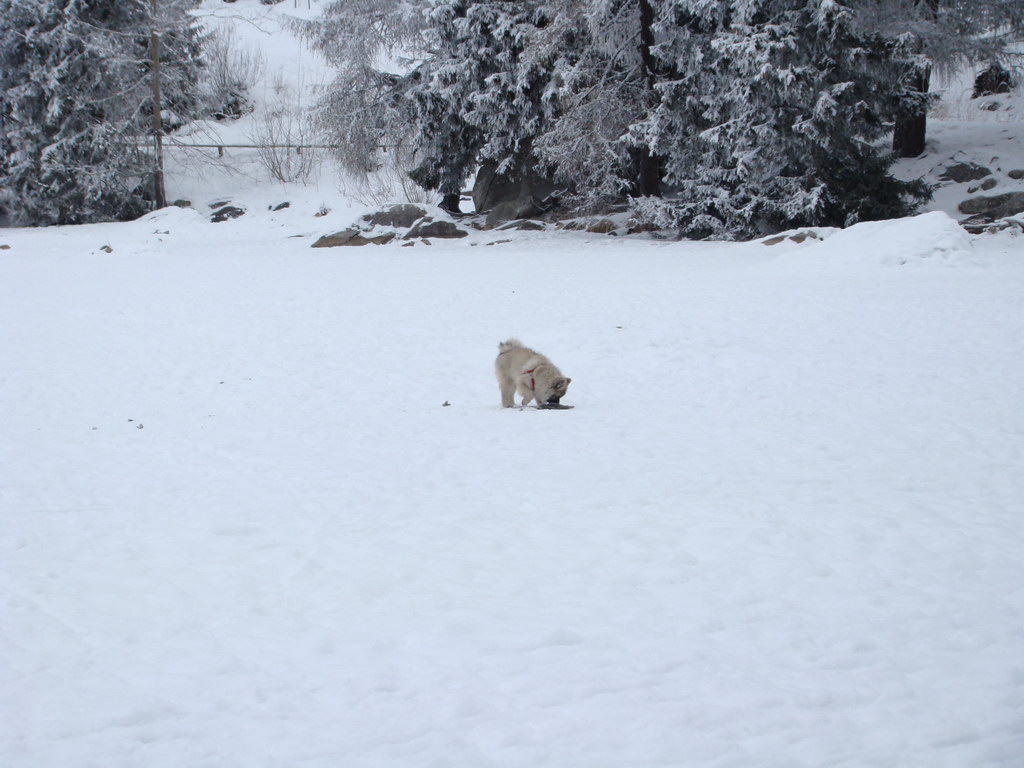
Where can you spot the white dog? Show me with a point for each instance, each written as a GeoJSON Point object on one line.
{"type": "Point", "coordinates": [532, 374]}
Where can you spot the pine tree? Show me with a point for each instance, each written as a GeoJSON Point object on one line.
{"type": "Point", "coordinates": [772, 117]}
{"type": "Point", "coordinates": [605, 77]}
{"type": "Point", "coordinates": [552, 84]}
{"type": "Point", "coordinates": [76, 104]}
{"type": "Point", "coordinates": [484, 93]}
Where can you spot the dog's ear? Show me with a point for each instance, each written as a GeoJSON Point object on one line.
{"type": "Point", "coordinates": [568, 382]}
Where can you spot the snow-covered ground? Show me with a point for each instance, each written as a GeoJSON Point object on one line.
{"type": "Point", "coordinates": [260, 505]}
{"type": "Point", "coordinates": [782, 526]}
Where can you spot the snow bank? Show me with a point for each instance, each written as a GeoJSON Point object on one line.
{"type": "Point", "coordinates": [929, 239]}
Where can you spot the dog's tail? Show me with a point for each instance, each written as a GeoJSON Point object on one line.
{"type": "Point", "coordinates": [505, 346]}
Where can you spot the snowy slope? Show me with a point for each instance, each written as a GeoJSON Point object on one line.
{"type": "Point", "coordinates": [782, 526]}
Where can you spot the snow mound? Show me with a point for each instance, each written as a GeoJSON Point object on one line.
{"type": "Point", "coordinates": [931, 238]}
{"type": "Point", "coordinates": [172, 215]}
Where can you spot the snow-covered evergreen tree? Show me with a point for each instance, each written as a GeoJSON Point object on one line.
{"type": "Point", "coordinates": [772, 117]}
{"type": "Point", "coordinates": [76, 104]}
{"type": "Point", "coordinates": [552, 83]}
{"type": "Point", "coordinates": [485, 92]}
{"type": "Point", "coordinates": [604, 83]}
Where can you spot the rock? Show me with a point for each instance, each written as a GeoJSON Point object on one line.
{"type": "Point", "coordinates": [988, 184]}
{"type": "Point", "coordinates": [797, 237]}
{"type": "Point", "coordinates": [995, 79]}
{"type": "Point", "coordinates": [403, 216]}
{"type": "Point", "coordinates": [182, 203]}
{"type": "Point", "coordinates": [443, 229]}
{"type": "Point", "coordinates": [336, 239]}
{"type": "Point", "coordinates": [525, 225]}
{"type": "Point", "coordinates": [963, 172]}
{"type": "Point", "coordinates": [281, 206]}
{"type": "Point", "coordinates": [1016, 174]}
{"type": "Point", "coordinates": [381, 239]}
{"type": "Point", "coordinates": [981, 225]}
{"type": "Point", "coordinates": [225, 213]}
{"type": "Point", "coordinates": [106, 249]}
{"type": "Point", "coordinates": [996, 206]}
{"type": "Point", "coordinates": [977, 224]}
{"type": "Point", "coordinates": [221, 204]}
{"type": "Point", "coordinates": [521, 193]}
{"type": "Point", "coordinates": [5, 247]}
{"type": "Point", "coordinates": [352, 237]}
{"type": "Point", "coordinates": [509, 211]}
{"type": "Point", "coordinates": [602, 227]}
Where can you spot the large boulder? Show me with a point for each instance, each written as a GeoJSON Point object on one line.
{"type": "Point", "coordinates": [521, 193]}
{"type": "Point", "coordinates": [996, 206]}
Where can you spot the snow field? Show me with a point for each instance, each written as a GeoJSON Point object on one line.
{"type": "Point", "coordinates": [781, 527]}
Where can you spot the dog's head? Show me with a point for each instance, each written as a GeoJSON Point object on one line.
{"type": "Point", "coordinates": [556, 391]}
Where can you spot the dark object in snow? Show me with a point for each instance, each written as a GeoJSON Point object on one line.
{"type": "Point", "coordinates": [554, 407]}
{"type": "Point", "coordinates": [403, 215]}
{"type": "Point", "coordinates": [525, 225]}
{"type": "Point", "coordinates": [281, 206]}
{"type": "Point", "coordinates": [996, 206]}
{"type": "Point", "coordinates": [225, 213]}
{"type": "Point", "coordinates": [964, 172]}
{"type": "Point", "coordinates": [991, 81]}
{"type": "Point", "coordinates": [522, 193]}
{"type": "Point", "coordinates": [352, 237]}
{"type": "Point", "coordinates": [443, 229]}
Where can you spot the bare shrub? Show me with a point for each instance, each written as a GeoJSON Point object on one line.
{"type": "Point", "coordinates": [280, 139]}
{"type": "Point", "coordinates": [232, 73]}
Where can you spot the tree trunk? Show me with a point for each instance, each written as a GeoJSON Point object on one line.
{"type": "Point", "coordinates": [648, 182]}
{"type": "Point", "coordinates": [909, 134]}
{"type": "Point", "coordinates": [450, 203]}
{"type": "Point", "coordinates": [160, 195]}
